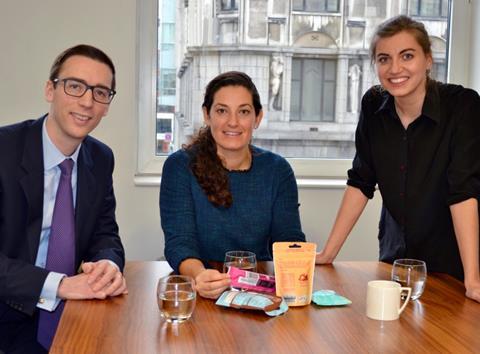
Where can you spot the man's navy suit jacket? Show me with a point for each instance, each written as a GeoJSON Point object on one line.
{"type": "Point", "coordinates": [21, 209]}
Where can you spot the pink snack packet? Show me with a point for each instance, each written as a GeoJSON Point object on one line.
{"type": "Point", "coordinates": [242, 279]}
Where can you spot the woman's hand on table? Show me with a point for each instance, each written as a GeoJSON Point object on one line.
{"type": "Point", "coordinates": [473, 290]}
{"type": "Point", "coordinates": [323, 258]}
{"type": "Point", "coordinates": [210, 283]}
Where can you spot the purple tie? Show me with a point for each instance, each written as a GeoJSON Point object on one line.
{"type": "Point", "coordinates": [61, 248]}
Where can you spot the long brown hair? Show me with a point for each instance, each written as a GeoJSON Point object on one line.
{"type": "Point", "coordinates": [205, 163]}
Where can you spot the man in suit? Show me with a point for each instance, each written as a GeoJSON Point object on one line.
{"type": "Point", "coordinates": [58, 235]}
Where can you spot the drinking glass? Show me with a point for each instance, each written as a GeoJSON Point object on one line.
{"type": "Point", "coordinates": [241, 259]}
{"type": "Point", "coordinates": [176, 298]}
{"type": "Point", "coordinates": [410, 273]}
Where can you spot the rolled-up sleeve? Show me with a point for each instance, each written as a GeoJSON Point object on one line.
{"type": "Point", "coordinates": [362, 174]}
{"type": "Point", "coordinates": [464, 169]}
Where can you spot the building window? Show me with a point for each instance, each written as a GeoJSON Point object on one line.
{"type": "Point", "coordinates": [439, 71]}
{"type": "Point", "coordinates": [313, 90]}
{"type": "Point", "coordinates": [164, 133]}
{"type": "Point", "coordinates": [229, 5]}
{"type": "Point", "coordinates": [429, 8]}
{"type": "Point", "coordinates": [316, 5]}
{"type": "Point", "coordinates": [166, 88]}
{"type": "Point", "coordinates": [276, 30]}
{"type": "Point", "coordinates": [228, 31]}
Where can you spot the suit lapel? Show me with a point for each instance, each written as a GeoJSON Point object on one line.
{"type": "Point", "coordinates": [31, 176]}
{"type": "Point", "coordinates": [86, 191]}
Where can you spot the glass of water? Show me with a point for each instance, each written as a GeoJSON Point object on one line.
{"type": "Point", "coordinates": [245, 260]}
{"type": "Point", "coordinates": [176, 298]}
{"type": "Point", "coordinates": [410, 273]}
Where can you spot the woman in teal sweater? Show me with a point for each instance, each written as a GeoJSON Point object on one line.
{"type": "Point", "coordinates": [220, 193]}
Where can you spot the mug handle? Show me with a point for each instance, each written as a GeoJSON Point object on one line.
{"type": "Point", "coordinates": [409, 290]}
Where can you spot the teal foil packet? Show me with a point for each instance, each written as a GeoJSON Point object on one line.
{"type": "Point", "coordinates": [329, 298]}
{"type": "Point", "coordinates": [270, 304]}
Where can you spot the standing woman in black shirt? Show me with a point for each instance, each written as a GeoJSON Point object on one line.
{"type": "Point", "coordinates": [419, 141]}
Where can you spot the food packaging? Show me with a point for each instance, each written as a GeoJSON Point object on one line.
{"type": "Point", "coordinates": [329, 298]}
{"type": "Point", "coordinates": [272, 305]}
{"type": "Point", "coordinates": [245, 280]}
{"type": "Point", "coordinates": [294, 264]}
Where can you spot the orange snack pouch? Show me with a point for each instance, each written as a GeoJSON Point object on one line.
{"type": "Point", "coordinates": [294, 264]}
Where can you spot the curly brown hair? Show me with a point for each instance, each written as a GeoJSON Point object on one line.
{"type": "Point", "coordinates": [205, 163]}
{"type": "Point", "coordinates": [207, 167]}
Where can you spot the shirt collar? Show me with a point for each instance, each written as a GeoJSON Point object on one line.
{"type": "Point", "coordinates": [431, 105]}
{"type": "Point", "coordinates": [387, 104]}
{"type": "Point", "coordinates": [51, 155]}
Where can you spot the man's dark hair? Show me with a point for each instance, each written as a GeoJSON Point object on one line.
{"type": "Point", "coordinates": [83, 50]}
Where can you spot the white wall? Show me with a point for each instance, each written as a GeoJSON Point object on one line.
{"type": "Point", "coordinates": [32, 33]}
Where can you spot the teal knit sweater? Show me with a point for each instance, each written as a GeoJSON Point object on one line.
{"type": "Point", "coordinates": [264, 210]}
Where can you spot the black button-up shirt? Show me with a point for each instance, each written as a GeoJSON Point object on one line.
{"type": "Point", "coordinates": [420, 171]}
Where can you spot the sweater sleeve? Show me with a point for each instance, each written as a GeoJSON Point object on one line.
{"type": "Point", "coordinates": [177, 211]}
{"type": "Point", "coordinates": [286, 219]}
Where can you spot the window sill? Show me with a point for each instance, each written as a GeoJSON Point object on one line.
{"type": "Point", "coordinates": [153, 180]}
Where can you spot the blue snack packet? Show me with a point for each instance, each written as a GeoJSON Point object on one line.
{"type": "Point", "coordinates": [329, 298]}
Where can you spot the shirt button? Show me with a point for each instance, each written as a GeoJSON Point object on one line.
{"type": "Point", "coordinates": [404, 138]}
{"type": "Point", "coordinates": [41, 300]}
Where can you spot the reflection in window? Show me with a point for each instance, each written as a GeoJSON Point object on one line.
{"type": "Point", "coordinates": [315, 5]}
{"type": "Point", "coordinates": [429, 8]}
{"type": "Point", "coordinates": [313, 90]}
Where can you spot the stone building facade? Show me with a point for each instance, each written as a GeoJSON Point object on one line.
{"type": "Point", "coordinates": [308, 58]}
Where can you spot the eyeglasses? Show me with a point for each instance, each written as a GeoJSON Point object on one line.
{"type": "Point", "coordinates": [76, 88]}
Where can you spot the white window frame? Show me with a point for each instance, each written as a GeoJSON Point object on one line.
{"type": "Point", "coordinates": [316, 173]}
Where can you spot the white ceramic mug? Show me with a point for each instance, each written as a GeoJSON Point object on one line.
{"type": "Point", "coordinates": [383, 300]}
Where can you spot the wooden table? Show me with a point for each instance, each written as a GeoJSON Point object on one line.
{"type": "Point", "coordinates": [442, 320]}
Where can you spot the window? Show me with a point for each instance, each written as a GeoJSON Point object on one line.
{"type": "Point", "coordinates": [164, 133]}
{"type": "Point", "coordinates": [317, 138]}
{"type": "Point", "coordinates": [166, 87]}
{"type": "Point", "coordinates": [229, 5]}
{"type": "Point", "coordinates": [166, 74]}
{"type": "Point", "coordinates": [228, 31]}
{"type": "Point", "coordinates": [429, 8]}
{"type": "Point", "coordinates": [276, 31]}
{"type": "Point", "coordinates": [315, 5]}
{"type": "Point", "coordinates": [439, 71]}
{"type": "Point", "coordinates": [313, 90]}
